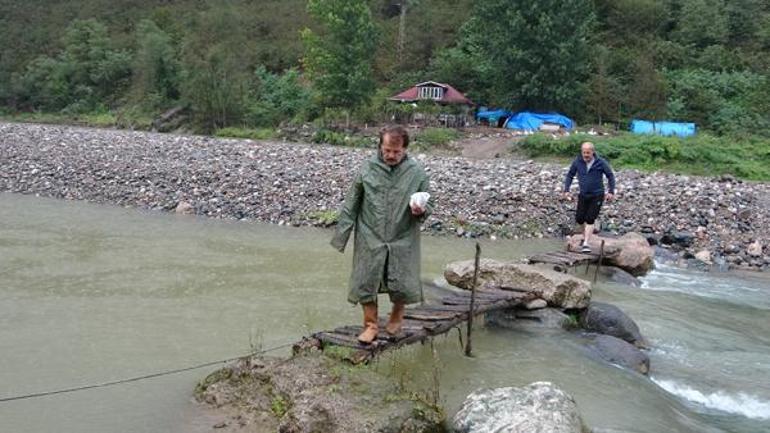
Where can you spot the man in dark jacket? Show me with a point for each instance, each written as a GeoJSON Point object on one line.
{"type": "Point", "coordinates": [590, 169]}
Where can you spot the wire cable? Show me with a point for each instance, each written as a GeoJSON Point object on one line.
{"type": "Point", "coordinates": [138, 378]}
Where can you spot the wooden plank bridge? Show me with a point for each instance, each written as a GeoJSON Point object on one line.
{"type": "Point", "coordinates": [428, 320]}
{"type": "Point", "coordinates": [420, 322]}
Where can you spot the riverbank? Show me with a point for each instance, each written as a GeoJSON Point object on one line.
{"type": "Point", "coordinates": [717, 219]}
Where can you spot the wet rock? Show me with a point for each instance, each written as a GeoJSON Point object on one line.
{"type": "Point", "coordinates": [704, 256]}
{"type": "Point", "coordinates": [684, 239]}
{"type": "Point", "coordinates": [557, 289]}
{"type": "Point", "coordinates": [545, 318]}
{"type": "Point", "coordinates": [537, 407]}
{"type": "Point", "coordinates": [608, 319]}
{"type": "Point", "coordinates": [698, 265]}
{"type": "Point", "coordinates": [184, 208]}
{"type": "Point", "coordinates": [754, 249]}
{"type": "Point", "coordinates": [536, 304]}
{"type": "Point", "coordinates": [630, 252]}
{"type": "Point", "coordinates": [620, 352]}
{"type": "Point", "coordinates": [620, 276]}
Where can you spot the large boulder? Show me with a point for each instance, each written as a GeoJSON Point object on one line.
{"type": "Point", "coordinates": [619, 352]}
{"type": "Point", "coordinates": [557, 289]}
{"type": "Point", "coordinates": [620, 276]}
{"type": "Point", "coordinates": [608, 319]}
{"type": "Point", "coordinates": [537, 407]}
{"type": "Point", "coordinates": [630, 252]}
{"type": "Point", "coordinates": [545, 318]}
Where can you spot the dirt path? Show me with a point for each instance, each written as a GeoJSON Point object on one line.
{"type": "Point", "coordinates": [487, 144]}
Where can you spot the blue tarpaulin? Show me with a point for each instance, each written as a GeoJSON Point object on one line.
{"type": "Point", "coordinates": [681, 129]}
{"type": "Point", "coordinates": [531, 121]}
{"type": "Point", "coordinates": [492, 116]}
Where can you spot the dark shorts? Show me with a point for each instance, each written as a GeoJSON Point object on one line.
{"type": "Point", "coordinates": [588, 207]}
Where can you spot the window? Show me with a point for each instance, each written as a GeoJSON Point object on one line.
{"type": "Point", "coordinates": [431, 92]}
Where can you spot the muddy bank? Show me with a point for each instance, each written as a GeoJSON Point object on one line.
{"type": "Point", "coordinates": [719, 220]}
{"type": "Point", "coordinates": [312, 393]}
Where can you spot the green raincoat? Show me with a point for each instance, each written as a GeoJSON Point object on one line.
{"type": "Point", "coordinates": [386, 250]}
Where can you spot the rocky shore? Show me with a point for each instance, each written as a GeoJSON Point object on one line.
{"type": "Point", "coordinates": [710, 220]}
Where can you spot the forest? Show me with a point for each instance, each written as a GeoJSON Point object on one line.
{"type": "Point", "coordinates": [247, 64]}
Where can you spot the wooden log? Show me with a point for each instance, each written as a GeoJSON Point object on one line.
{"type": "Point", "coordinates": [473, 299]}
{"type": "Point", "coordinates": [599, 261]}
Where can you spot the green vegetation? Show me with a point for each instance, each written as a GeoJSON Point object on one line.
{"type": "Point", "coordinates": [217, 376]}
{"type": "Point", "coordinates": [279, 406]}
{"type": "Point", "coordinates": [336, 138]}
{"type": "Point", "coordinates": [245, 65]}
{"type": "Point", "coordinates": [254, 134]}
{"type": "Point", "coordinates": [703, 154]}
{"type": "Point", "coordinates": [434, 137]}
{"type": "Point", "coordinates": [514, 54]}
{"type": "Point", "coordinates": [340, 61]}
{"type": "Point", "coordinates": [325, 217]}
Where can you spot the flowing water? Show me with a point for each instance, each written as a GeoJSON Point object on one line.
{"type": "Point", "coordinates": [91, 294]}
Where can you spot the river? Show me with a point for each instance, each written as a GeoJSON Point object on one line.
{"type": "Point", "coordinates": [93, 293]}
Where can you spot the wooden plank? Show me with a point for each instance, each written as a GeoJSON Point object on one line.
{"type": "Point", "coordinates": [462, 308]}
{"type": "Point", "coordinates": [488, 291]}
{"type": "Point", "coordinates": [429, 315]}
{"type": "Point", "coordinates": [354, 331]}
{"type": "Point", "coordinates": [339, 340]}
{"type": "Point", "coordinates": [465, 301]}
{"type": "Point", "coordinates": [422, 322]}
{"type": "Point", "coordinates": [564, 258]}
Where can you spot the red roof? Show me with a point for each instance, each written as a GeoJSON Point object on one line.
{"type": "Point", "coordinates": [450, 96]}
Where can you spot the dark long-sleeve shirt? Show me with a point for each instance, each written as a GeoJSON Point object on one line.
{"type": "Point", "coordinates": [590, 180]}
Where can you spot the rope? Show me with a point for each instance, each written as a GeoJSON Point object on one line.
{"type": "Point", "coordinates": [138, 378]}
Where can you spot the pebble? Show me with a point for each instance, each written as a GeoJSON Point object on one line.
{"type": "Point", "coordinates": [295, 184]}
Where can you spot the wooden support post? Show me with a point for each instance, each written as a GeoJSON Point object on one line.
{"type": "Point", "coordinates": [473, 298]}
{"type": "Point", "coordinates": [599, 261]}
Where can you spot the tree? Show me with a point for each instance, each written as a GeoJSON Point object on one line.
{"type": "Point", "coordinates": [340, 62]}
{"type": "Point", "coordinates": [215, 63]}
{"type": "Point", "coordinates": [647, 95]}
{"type": "Point", "coordinates": [86, 73]}
{"type": "Point", "coordinates": [703, 23]}
{"type": "Point", "coordinates": [534, 54]}
{"type": "Point", "coordinates": [603, 89]}
{"type": "Point", "coordinates": [156, 67]}
{"type": "Point", "coordinates": [276, 98]}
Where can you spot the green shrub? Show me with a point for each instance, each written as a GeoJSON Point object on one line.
{"type": "Point", "coordinates": [254, 134]}
{"type": "Point", "coordinates": [99, 118]}
{"type": "Point", "coordinates": [704, 154]}
{"type": "Point", "coordinates": [434, 137]}
{"type": "Point", "coordinates": [336, 138]}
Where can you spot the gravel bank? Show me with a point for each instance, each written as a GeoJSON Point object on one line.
{"type": "Point", "coordinates": [719, 220]}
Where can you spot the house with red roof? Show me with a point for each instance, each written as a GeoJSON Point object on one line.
{"type": "Point", "coordinates": [432, 91]}
{"type": "Point", "coordinates": [454, 106]}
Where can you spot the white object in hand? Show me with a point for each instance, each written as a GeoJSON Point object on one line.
{"type": "Point", "coordinates": [419, 199]}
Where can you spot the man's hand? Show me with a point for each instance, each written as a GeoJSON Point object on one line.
{"type": "Point", "coordinates": [609, 196]}
{"type": "Point", "coordinates": [417, 210]}
{"type": "Point", "coordinates": [566, 195]}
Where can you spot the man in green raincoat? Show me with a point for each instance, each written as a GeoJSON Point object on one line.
{"type": "Point", "coordinates": [386, 250]}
